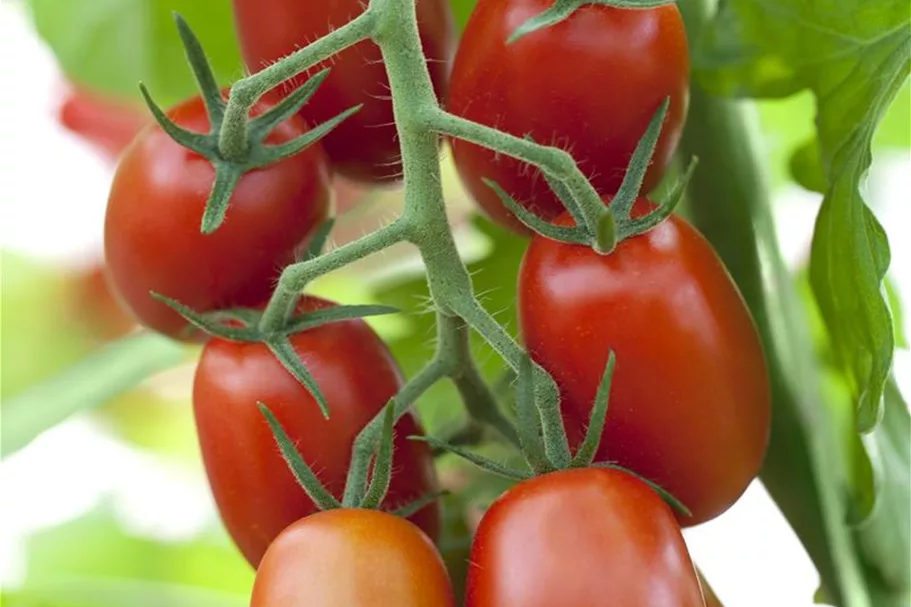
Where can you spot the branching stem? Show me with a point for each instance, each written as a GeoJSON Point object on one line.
{"type": "Point", "coordinates": [233, 140]}
{"type": "Point", "coordinates": [392, 25]}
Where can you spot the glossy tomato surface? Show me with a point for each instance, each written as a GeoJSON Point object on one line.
{"type": "Point", "coordinates": [352, 558]}
{"type": "Point", "coordinates": [593, 537]}
{"type": "Point", "coordinates": [152, 237]}
{"type": "Point", "coordinates": [256, 494]}
{"type": "Point", "coordinates": [689, 406]}
{"type": "Point", "coordinates": [365, 146]}
{"type": "Point", "coordinates": [590, 85]}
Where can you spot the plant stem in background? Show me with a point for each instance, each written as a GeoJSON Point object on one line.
{"type": "Point", "coordinates": [731, 205]}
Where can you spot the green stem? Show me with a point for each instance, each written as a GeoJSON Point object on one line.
{"type": "Point", "coordinates": [730, 204]}
{"type": "Point", "coordinates": [547, 395]}
{"type": "Point", "coordinates": [296, 276]}
{"type": "Point", "coordinates": [393, 25]}
{"type": "Point", "coordinates": [365, 443]}
{"type": "Point", "coordinates": [454, 343]}
{"type": "Point", "coordinates": [558, 164]}
{"type": "Point", "coordinates": [425, 211]}
{"type": "Point", "coordinates": [233, 140]}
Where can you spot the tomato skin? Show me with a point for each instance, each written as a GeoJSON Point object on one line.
{"type": "Point", "coordinates": [108, 124]}
{"type": "Point", "coordinates": [690, 404]}
{"type": "Point", "coordinates": [590, 84]}
{"type": "Point", "coordinates": [581, 537]}
{"type": "Point", "coordinates": [352, 558]}
{"type": "Point", "coordinates": [256, 494]}
{"type": "Point", "coordinates": [365, 146]}
{"type": "Point", "coordinates": [94, 305]}
{"type": "Point", "coordinates": [152, 232]}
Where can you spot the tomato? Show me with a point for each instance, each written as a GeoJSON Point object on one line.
{"type": "Point", "coordinates": [352, 558]}
{"type": "Point", "coordinates": [689, 407]}
{"type": "Point", "coordinates": [365, 146]}
{"type": "Point", "coordinates": [586, 536]}
{"type": "Point", "coordinates": [152, 232]}
{"type": "Point", "coordinates": [94, 305]}
{"type": "Point", "coordinates": [108, 124]}
{"type": "Point", "coordinates": [590, 84]}
{"type": "Point", "coordinates": [255, 492]}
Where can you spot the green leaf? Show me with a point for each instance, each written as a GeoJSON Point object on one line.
{"type": "Point", "coordinates": [116, 568]}
{"type": "Point", "coordinates": [806, 167]}
{"type": "Point", "coordinates": [111, 45]}
{"type": "Point", "coordinates": [35, 324]}
{"type": "Point", "coordinates": [898, 317]}
{"type": "Point", "coordinates": [85, 385]}
{"type": "Point", "coordinates": [854, 55]}
{"type": "Point", "coordinates": [74, 591]}
{"type": "Point", "coordinates": [883, 539]}
{"type": "Point", "coordinates": [462, 10]}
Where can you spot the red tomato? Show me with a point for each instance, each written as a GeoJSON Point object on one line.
{"type": "Point", "coordinates": [590, 85]}
{"type": "Point", "coordinates": [352, 558]}
{"type": "Point", "coordinates": [365, 146]}
{"type": "Point", "coordinates": [593, 537]}
{"type": "Point", "coordinates": [256, 493]}
{"type": "Point", "coordinates": [108, 124]}
{"type": "Point", "coordinates": [152, 229]}
{"type": "Point", "coordinates": [94, 305]}
{"type": "Point", "coordinates": [689, 408]}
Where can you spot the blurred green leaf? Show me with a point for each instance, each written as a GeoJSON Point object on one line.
{"type": "Point", "coordinates": [156, 422]}
{"type": "Point", "coordinates": [462, 10]}
{"type": "Point", "coordinates": [884, 537]}
{"type": "Point", "coordinates": [895, 129]}
{"type": "Point", "coordinates": [93, 562]}
{"type": "Point", "coordinates": [806, 167]}
{"type": "Point", "coordinates": [898, 316]}
{"type": "Point", "coordinates": [38, 338]}
{"type": "Point", "coordinates": [787, 125]}
{"type": "Point", "coordinates": [855, 56]}
{"type": "Point", "coordinates": [103, 592]}
{"type": "Point", "coordinates": [111, 45]}
{"type": "Point", "coordinates": [87, 384]}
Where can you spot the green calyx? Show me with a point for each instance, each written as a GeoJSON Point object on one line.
{"type": "Point", "coordinates": [561, 10]}
{"type": "Point", "coordinates": [243, 325]}
{"type": "Point", "coordinates": [596, 225]}
{"type": "Point", "coordinates": [371, 493]}
{"type": "Point", "coordinates": [531, 415]}
{"type": "Point", "coordinates": [246, 324]}
{"type": "Point", "coordinates": [231, 164]}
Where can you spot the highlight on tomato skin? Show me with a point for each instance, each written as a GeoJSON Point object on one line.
{"type": "Point", "coordinates": [352, 558]}
{"type": "Point", "coordinates": [152, 238]}
{"type": "Point", "coordinates": [584, 536]}
{"type": "Point", "coordinates": [365, 147]}
{"type": "Point", "coordinates": [590, 84]}
{"type": "Point", "coordinates": [690, 401]}
{"type": "Point", "coordinates": [256, 494]}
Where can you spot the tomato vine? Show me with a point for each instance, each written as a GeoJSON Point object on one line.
{"type": "Point", "coordinates": [392, 24]}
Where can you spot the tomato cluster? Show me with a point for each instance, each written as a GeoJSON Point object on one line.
{"type": "Point", "coordinates": [689, 409]}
